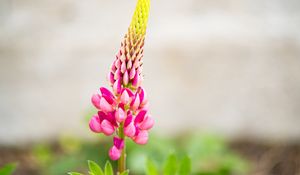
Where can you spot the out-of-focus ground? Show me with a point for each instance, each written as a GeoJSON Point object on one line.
{"type": "Point", "coordinates": [261, 159]}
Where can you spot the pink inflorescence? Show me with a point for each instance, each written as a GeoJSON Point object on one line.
{"type": "Point", "coordinates": [123, 112]}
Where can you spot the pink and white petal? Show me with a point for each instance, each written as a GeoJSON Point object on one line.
{"type": "Point", "coordinates": [95, 124]}
{"type": "Point", "coordinates": [96, 100]}
{"type": "Point", "coordinates": [107, 128]}
{"type": "Point", "coordinates": [141, 138]}
{"type": "Point", "coordinates": [147, 123]}
{"type": "Point", "coordinates": [114, 153]}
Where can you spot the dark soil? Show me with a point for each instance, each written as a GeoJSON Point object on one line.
{"type": "Point", "coordinates": [278, 159]}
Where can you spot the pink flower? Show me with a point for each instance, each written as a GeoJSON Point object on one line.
{"type": "Point", "coordinates": [135, 102]}
{"type": "Point", "coordinates": [114, 153]}
{"type": "Point", "coordinates": [117, 86]}
{"type": "Point", "coordinates": [147, 123]}
{"type": "Point", "coordinates": [129, 128]}
{"type": "Point", "coordinates": [125, 96]}
{"type": "Point", "coordinates": [141, 138]}
{"type": "Point", "coordinates": [120, 115]}
{"type": "Point", "coordinates": [95, 124]}
{"type": "Point", "coordinates": [107, 128]}
{"type": "Point", "coordinates": [103, 101]}
{"type": "Point", "coordinates": [96, 100]}
{"type": "Point", "coordinates": [105, 106]}
{"type": "Point", "coordinates": [116, 150]}
{"type": "Point", "coordinates": [125, 108]}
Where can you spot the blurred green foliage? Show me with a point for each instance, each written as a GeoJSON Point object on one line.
{"type": "Point", "coordinates": [171, 166]}
{"type": "Point", "coordinates": [8, 169]}
{"type": "Point", "coordinates": [208, 154]}
{"type": "Point", "coordinates": [95, 169]}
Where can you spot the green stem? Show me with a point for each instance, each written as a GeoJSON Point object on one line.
{"type": "Point", "coordinates": [122, 160]}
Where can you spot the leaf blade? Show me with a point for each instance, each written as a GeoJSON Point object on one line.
{"type": "Point", "coordinates": [108, 169]}
{"type": "Point", "coordinates": [125, 172]}
{"type": "Point", "coordinates": [151, 168]}
{"type": "Point", "coordinates": [95, 169]}
{"type": "Point", "coordinates": [185, 166]}
{"type": "Point", "coordinates": [170, 167]}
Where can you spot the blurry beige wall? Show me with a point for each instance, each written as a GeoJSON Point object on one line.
{"type": "Point", "coordinates": [227, 66]}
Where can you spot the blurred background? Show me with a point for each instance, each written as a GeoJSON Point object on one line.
{"type": "Point", "coordinates": [224, 73]}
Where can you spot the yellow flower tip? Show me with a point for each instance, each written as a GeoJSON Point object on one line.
{"type": "Point", "coordinates": [140, 18]}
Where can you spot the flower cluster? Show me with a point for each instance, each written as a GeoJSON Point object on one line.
{"type": "Point", "coordinates": [125, 110]}
{"type": "Point", "coordinates": [125, 113]}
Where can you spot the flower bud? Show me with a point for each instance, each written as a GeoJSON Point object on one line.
{"type": "Point", "coordinates": [141, 138]}
{"type": "Point", "coordinates": [132, 73]}
{"type": "Point", "coordinates": [130, 130]}
{"type": "Point", "coordinates": [125, 78]}
{"type": "Point", "coordinates": [105, 106]}
{"type": "Point", "coordinates": [117, 87]}
{"type": "Point", "coordinates": [120, 115]}
{"type": "Point", "coordinates": [114, 153]}
{"type": "Point", "coordinates": [95, 125]}
{"type": "Point", "coordinates": [123, 67]}
{"type": "Point", "coordinates": [135, 103]}
{"type": "Point", "coordinates": [125, 97]}
{"type": "Point", "coordinates": [96, 100]}
{"type": "Point", "coordinates": [147, 123]}
{"type": "Point", "coordinates": [107, 128]}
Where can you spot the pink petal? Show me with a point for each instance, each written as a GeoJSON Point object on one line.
{"type": "Point", "coordinates": [113, 67]}
{"type": "Point", "coordinates": [117, 87]}
{"type": "Point", "coordinates": [114, 153]}
{"type": "Point", "coordinates": [143, 95]}
{"type": "Point", "coordinates": [101, 116]}
{"type": "Point", "coordinates": [105, 106]}
{"type": "Point", "coordinates": [129, 64]}
{"type": "Point", "coordinates": [128, 120]}
{"type": "Point", "coordinates": [117, 74]}
{"type": "Point", "coordinates": [111, 118]}
{"type": "Point", "coordinates": [129, 131]}
{"type": "Point", "coordinates": [120, 115]}
{"type": "Point", "coordinates": [107, 95]}
{"type": "Point", "coordinates": [123, 67]}
{"type": "Point", "coordinates": [110, 78]}
{"type": "Point", "coordinates": [141, 138]}
{"type": "Point", "coordinates": [125, 97]}
{"type": "Point", "coordinates": [132, 73]}
{"type": "Point", "coordinates": [136, 63]}
{"type": "Point", "coordinates": [107, 128]}
{"type": "Point", "coordinates": [118, 142]}
{"type": "Point", "coordinates": [140, 117]}
{"type": "Point", "coordinates": [135, 103]}
{"type": "Point", "coordinates": [96, 100]}
{"type": "Point", "coordinates": [135, 81]}
{"type": "Point", "coordinates": [147, 123]}
{"type": "Point", "coordinates": [118, 63]}
{"type": "Point", "coordinates": [125, 78]}
{"type": "Point", "coordinates": [95, 125]}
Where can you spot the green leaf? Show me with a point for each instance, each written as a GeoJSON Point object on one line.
{"type": "Point", "coordinates": [8, 169]}
{"type": "Point", "coordinates": [95, 169]}
{"type": "Point", "coordinates": [170, 167]}
{"type": "Point", "coordinates": [151, 168]}
{"type": "Point", "coordinates": [108, 169]}
{"type": "Point", "coordinates": [125, 172]}
{"type": "Point", "coordinates": [74, 173]}
{"type": "Point", "coordinates": [185, 166]}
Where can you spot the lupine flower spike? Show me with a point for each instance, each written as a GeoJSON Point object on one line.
{"type": "Point", "coordinates": [123, 112]}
